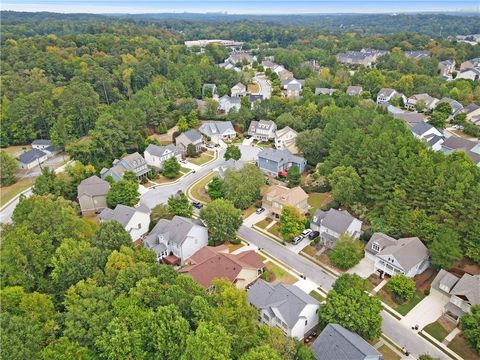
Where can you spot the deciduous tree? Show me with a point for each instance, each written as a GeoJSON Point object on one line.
{"type": "Point", "coordinates": [292, 223]}
{"type": "Point", "coordinates": [180, 205]}
{"type": "Point", "coordinates": [171, 168]}
{"type": "Point", "coordinates": [232, 152]}
{"type": "Point", "coordinates": [123, 192]}
{"type": "Point", "coordinates": [8, 167]}
{"type": "Point", "coordinates": [346, 252]}
{"type": "Point", "coordinates": [222, 220]}
{"type": "Point", "coordinates": [402, 287]}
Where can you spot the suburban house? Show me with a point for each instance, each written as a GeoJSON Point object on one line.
{"type": "Point", "coordinates": [365, 57]}
{"type": "Point", "coordinates": [135, 220]}
{"type": "Point", "coordinates": [428, 101]}
{"type": "Point", "coordinates": [192, 136]}
{"type": "Point", "coordinates": [387, 94]}
{"type": "Point", "coordinates": [462, 292]}
{"type": "Point", "coordinates": [42, 144]}
{"type": "Point", "coordinates": [354, 90]}
{"type": "Point", "coordinates": [469, 74]}
{"type": "Point", "coordinates": [286, 307]}
{"type": "Point", "coordinates": [417, 54]}
{"type": "Point", "coordinates": [255, 97]}
{"type": "Point", "coordinates": [209, 90]}
{"type": "Point", "coordinates": [311, 64]}
{"type": "Point", "coordinates": [241, 57]}
{"type": "Point", "coordinates": [132, 162]}
{"type": "Point", "coordinates": [156, 155]}
{"type": "Point", "coordinates": [238, 90]}
{"type": "Point", "coordinates": [227, 103]}
{"type": "Point", "coordinates": [456, 106]}
{"type": "Point", "coordinates": [92, 195]}
{"type": "Point", "coordinates": [174, 241]}
{"type": "Point", "coordinates": [210, 263]}
{"type": "Point", "coordinates": [472, 63]}
{"type": "Point", "coordinates": [333, 223]}
{"type": "Point", "coordinates": [325, 91]}
{"type": "Point", "coordinates": [218, 130]}
{"type": "Point", "coordinates": [229, 66]}
{"type": "Point", "coordinates": [407, 256]}
{"type": "Point", "coordinates": [337, 343]}
{"type": "Point", "coordinates": [446, 68]}
{"type": "Point", "coordinates": [428, 133]}
{"type": "Point", "coordinates": [292, 87]}
{"type": "Point", "coordinates": [230, 164]}
{"type": "Point", "coordinates": [473, 113]}
{"type": "Point", "coordinates": [278, 196]}
{"type": "Point", "coordinates": [274, 162]}
{"type": "Point", "coordinates": [283, 74]}
{"type": "Point", "coordinates": [32, 158]}
{"type": "Point", "coordinates": [262, 130]}
{"type": "Point", "coordinates": [455, 143]}
{"type": "Point", "coordinates": [285, 138]}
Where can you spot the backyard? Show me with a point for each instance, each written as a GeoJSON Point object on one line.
{"type": "Point", "coordinates": [202, 158]}
{"type": "Point", "coordinates": [318, 200]}
{"type": "Point", "coordinates": [274, 273]}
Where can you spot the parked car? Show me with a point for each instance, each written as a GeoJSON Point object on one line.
{"type": "Point", "coordinates": [313, 235]}
{"type": "Point", "coordinates": [306, 232]}
{"type": "Point", "coordinates": [260, 210]}
{"type": "Point", "coordinates": [197, 204]}
{"type": "Point", "coordinates": [296, 240]}
{"type": "Point", "coordinates": [210, 146]}
{"type": "Point", "coordinates": [183, 161]}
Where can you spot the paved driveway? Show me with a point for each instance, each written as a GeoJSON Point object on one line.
{"type": "Point", "coordinates": [427, 311]}
{"type": "Point", "coordinates": [363, 269]}
{"type": "Point", "coordinates": [254, 218]}
{"type": "Point", "coordinates": [249, 152]}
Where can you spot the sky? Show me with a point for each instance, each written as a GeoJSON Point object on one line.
{"type": "Point", "coordinates": [241, 6]}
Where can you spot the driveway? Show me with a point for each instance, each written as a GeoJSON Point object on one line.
{"type": "Point", "coordinates": [363, 269]}
{"type": "Point", "coordinates": [306, 285]}
{"type": "Point", "coordinates": [299, 247]}
{"type": "Point", "coordinates": [427, 311]}
{"type": "Point", "coordinates": [249, 152]}
{"type": "Point", "coordinates": [247, 142]}
{"type": "Point", "coordinates": [254, 218]}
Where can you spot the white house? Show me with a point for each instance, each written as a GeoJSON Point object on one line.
{"type": "Point", "coordinates": [333, 223]}
{"type": "Point", "coordinates": [292, 87]}
{"type": "Point", "coordinates": [426, 132]}
{"type": "Point", "coordinates": [469, 74]}
{"type": "Point", "coordinates": [285, 306]}
{"type": "Point", "coordinates": [229, 102]}
{"type": "Point", "coordinates": [32, 158]}
{"type": "Point", "coordinates": [238, 90]}
{"type": "Point", "coordinates": [407, 256]}
{"type": "Point", "coordinates": [41, 144]}
{"type": "Point", "coordinates": [174, 241]}
{"type": "Point", "coordinates": [387, 94]}
{"type": "Point", "coordinates": [156, 155]}
{"type": "Point", "coordinates": [262, 130]}
{"type": "Point", "coordinates": [285, 138]}
{"type": "Point", "coordinates": [134, 220]}
{"type": "Point", "coordinates": [218, 130]}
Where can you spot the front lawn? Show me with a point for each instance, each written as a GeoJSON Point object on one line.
{"type": "Point", "coordinates": [460, 346]}
{"type": "Point", "coordinates": [403, 309]}
{"type": "Point", "coordinates": [202, 159]}
{"type": "Point", "coordinates": [436, 330]}
{"type": "Point", "coordinates": [310, 250]}
{"type": "Point", "coordinates": [262, 224]}
{"type": "Point", "coordinates": [16, 150]}
{"type": "Point", "coordinates": [318, 200]}
{"type": "Point", "coordinates": [388, 354]}
{"type": "Point", "coordinates": [198, 190]}
{"type": "Point", "coordinates": [160, 179]}
{"type": "Point", "coordinates": [233, 247]}
{"type": "Point", "coordinates": [249, 211]}
{"type": "Point", "coordinates": [274, 273]}
{"type": "Point", "coordinates": [7, 193]}
{"type": "Point", "coordinates": [316, 296]}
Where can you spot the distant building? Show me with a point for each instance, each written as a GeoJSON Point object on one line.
{"type": "Point", "coordinates": [226, 103]}
{"type": "Point", "coordinates": [263, 130]}
{"type": "Point", "coordinates": [324, 91]}
{"type": "Point", "coordinates": [429, 102]}
{"type": "Point", "coordinates": [156, 155]}
{"type": "Point", "coordinates": [446, 68]}
{"type": "Point", "coordinates": [192, 136]}
{"type": "Point", "coordinates": [469, 64]}
{"type": "Point", "coordinates": [238, 90]}
{"type": "Point", "coordinates": [365, 57]}
{"type": "Point", "coordinates": [232, 44]}
{"type": "Point", "coordinates": [135, 220]}
{"type": "Point", "coordinates": [40, 152]}
{"type": "Point", "coordinates": [426, 132]}
{"type": "Point", "coordinates": [311, 64]}
{"type": "Point", "coordinates": [387, 94]}
{"type": "Point", "coordinates": [473, 113]}
{"type": "Point", "coordinates": [285, 138]}
{"type": "Point", "coordinates": [354, 90]}
{"type": "Point", "coordinates": [417, 54]}
{"type": "Point", "coordinates": [92, 195]}
{"type": "Point", "coordinates": [469, 74]}
{"type": "Point", "coordinates": [132, 162]}
{"type": "Point", "coordinates": [333, 223]}
{"type": "Point", "coordinates": [241, 58]}
{"type": "Point", "coordinates": [292, 87]}
{"type": "Point", "coordinates": [454, 143]}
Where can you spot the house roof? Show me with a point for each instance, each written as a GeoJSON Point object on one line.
{"type": "Point", "coordinates": [354, 90]}
{"type": "Point", "coordinates": [458, 143]}
{"type": "Point", "coordinates": [31, 156]}
{"type": "Point", "coordinates": [121, 213]}
{"type": "Point", "coordinates": [193, 135]}
{"type": "Point", "coordinates": [43, 142]}
{"type": "Point", "coordinates": [421, 128]}
{"type": "Point", "coordinates": [434, 139]}
{"type": "Point", "coordinates": [229, 100]}
{"type": "Point", "coordinates": [456, 106]}
{"type": "Point", "coordinates": [338, 221]}
{"type": "Point", "coordinates": [288, 300]}
{"type": "Point", "coordinates": [417, 54]}
{"type": "Point", "coordinates": [211, 128]}
{"type": "Point", "coordinates": [324, 91]}
{"type": "Point", "coordinates": [279, 155]}
{"type": "Point", "coordinates": [134, 160]}
{"type": "Point", "coordinates": [444, 278]}
{"type": "Point", "coordinates": [470, 108]}
{"type": "Point", "coordinates": [337, 343]}
{"type": "Point", "coordinates": [156, 150]}
{"type": "Point", "coordinates": [239, 86]}
{"type": "Point", "coordinates": [287, 196]}
{"type": "Point", "coordinates": [410, 118]}
{"type": "Point", "coordinates": [386, 92]}
{"type": "Point", "coordinates": [284, 131]}
{"type": "Point", "coordinates": [261, 124]}
{"type": "Point", "coordinates": [407, 251]}
{"type": "Point", "coordinates": [93, 186]}
{"type": "Point", "coordinates": [469, 287]}
{"type": "Point", "coordinates": [211, 263]}
{"type": "Point", "coordinates": [230, 164]}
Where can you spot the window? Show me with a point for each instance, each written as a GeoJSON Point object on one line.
{"type": "Point", "coordinates": [306, 322]}
{"type": "Point", "coordinates": [139, 225]}
{"type": "Point", "coordinates": [266, 317]}
{"type": "Point", "coordinates": [375, 247]}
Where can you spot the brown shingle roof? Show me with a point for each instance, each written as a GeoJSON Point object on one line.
{"type": "Point", "coordinates": [286, 196]}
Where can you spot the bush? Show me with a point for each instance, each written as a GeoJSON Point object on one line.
{"type": "Point", "coordinates": [235, 241]}
{"type": "Point", "coordinates": [426, 292]}
{"type": "Point", "coordinates": [402, 287]}
{"type": "Point", "coordinates": [347, 252]}
{"type": "Point", "coordinates": [266, 276]}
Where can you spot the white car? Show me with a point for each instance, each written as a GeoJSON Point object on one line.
{"type": "Point", "coordinates": [306, 232]}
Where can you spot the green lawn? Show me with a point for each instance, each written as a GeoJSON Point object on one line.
{"type": "Point", "coordinates": [233, 247]}
{"type": "Point", "coordinates": [198, 192]}
{"type": "Point", "coordinates": [16, 150]}
{"type": "Point", "coordinates": [316, 296]}
{"type": "Point", "coordinates": [460, 346]}
{"type": "Point", "coordinates": [317, 200]}
{"type": "Point", "coordinates": [263, 223]}
{"type": "Point", "coordinates": [403, 309]}
{"type": "Point", "coordinates": [436, 330]}
{"type": "Point", "coordinates": [274, 230]}
{"type": "Point", "coordinates": [280, 274]}
{"type": "Point", "coordinates": [202, 159]}
{"type": "Point", "coordinates": [184, 170]}
{"type": "Point", "coordinates": [7, 193]}
{"type": "Point", "coordinates": [388, 354]}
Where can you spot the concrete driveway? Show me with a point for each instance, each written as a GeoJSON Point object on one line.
{"type": "Point", "coordinates": [247, 142]}
{"type": "Point", "coordinates": [249, 152]}
{"type": "Point", "coordinates": [299, 247]}
{"type": "Point", "coordinates": [427, 311]}
{"type": "Point", "coordinates": [254, 218]}
{"type": "Point", "coordinates": [363, 269]}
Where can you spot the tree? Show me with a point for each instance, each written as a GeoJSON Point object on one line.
{"type": "Point", "coordinates": [209, 341]}
{"type": "Point", "coordinates": [445, 249]}
{"type": "Point", "coordinates": [65, 349]}
{"type": "Point", "coordinates": [215, 188]}
{"type": "Point", "coordinates": [261, 352]}
{"type": "Point", "coordinates": [191, 150]}
{"type": "Point", "coordinates": [192, 119]}
{"type": "Point", "coordinates": [182, 124]}
{"type": "Point", "coordinates": [111, 236]}
{"type": "Point", "coordinates": [293, 176]}
{"type": "Point", "coordinates": [232, 152]}
{"type": "Point", "coordinates": [222, 220]}
{"type": "Point", "coordinates": [171, 167]}
{"type": "Point", "coordinates": [438, 120]}
{"type": "Point", "coordinates": [8, 167]}
{"type": "Point", "coordinates": [123, 192]}
{"type": "Point", "coordinates": [345, 184]}
{"type": "Point", "coordinates": [180, 205]}
{"type": "Point", "coordinates": [349, 281]}
{"type": "Point", "coordinates": [347, 252]}
{"type": "Point", "coordinates": [355, 310]}
{"type": "Point", "coordinates": [470, 324]}
{"type": "Point", "coordinates": [402, 287]}
{"type": "Point", "coordinates": [161, 211]}
{"type": "Point", "coordinates": [311, 145]}
{"type": "Point", "coordinates": [242, 186]}
{"type": "Point", "coordinates": [292, 223]}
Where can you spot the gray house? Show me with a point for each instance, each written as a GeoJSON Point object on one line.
{"type": "Point", "coordinates": [191, 136]}
{"type": "Point", "coordinates": [156, 155]}
{"type": "Point", "coordinates": [274, 161]}
{"type": "Point", "coordinates": [92, 195]}
{"type": "Point", "coordinates": [218, 130]}
{"type": "Point", "coordinates": [337, 343]}
{"type": "Point", "coordinates": [132, 162]}
{"type": "Point", "coordinates": [32, 158]}
{"type": "Point", "coordinates": [333, 223]}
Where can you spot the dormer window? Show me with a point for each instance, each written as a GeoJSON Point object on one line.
{"type": "Point", "coordinates": [375, 247]}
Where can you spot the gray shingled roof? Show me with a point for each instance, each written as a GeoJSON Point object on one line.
{"type": "Point", "coordinates": [193, 135]}
{"type": "Point", "coordinates": [444, 278]}
{"type": "Point", "coordinates": [421, 128]}
{"type": "Point", "coordinates": [160, 150]}
{"type": "Point", "coordinates": [289, 300]}
{"type": "Point", "coordinates": [175, 230]}
{"type": "Point", "coordinates": [470, 107]}
{"type": "Point", "coordinates": [337, 343]}
{"type": "Point", "coordinates": [93, 186]}
{"type": "Point", "coordinates": [354, 90]}
{"type": "Point", "coordinates": [42, 142]}
{"type": "Point", "coordinates": [386, 92]}
{"type": "Point", "coordinates": [407, 251]}
{"type": "Point", "coordinates": [211, 128]}
{"type": "Point", "coordinates": [279, 155]}
{"type": "Point", "coordinates": [333, 219]}
{"type": "Point", "coordinates": [468, 286]}
{"type": "Point", "coordinates": [31, 156]}
{"type": "Point", "coordinates": [121, 213]}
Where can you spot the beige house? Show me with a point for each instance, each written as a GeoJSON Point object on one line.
{"type": "Point", "coordinates": [92, 195]}
{"type": "Point", "coordinates": [285, 139]}
{"type": "Point", "coordinates": [279, 196]}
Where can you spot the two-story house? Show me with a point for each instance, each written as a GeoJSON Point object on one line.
{"type": "Point", "coordinates": [238, 90]}
{"type": "Point", "coordinates": [285, 138]}
{"type": "Point", "coordinates": [132, 162]}
{"type": "Point", "coordinates": [275, 162]}
{"type": "Point", "coordinates": [462, 292]}
{"type": "Point", "coordinates": [472, 111]}
{"type": "Point", "coordinates": [192, 136]}
{"type": "Point", "coordinates": [387, 94]}
{"type": "Point", "coordinates": [455, 143]}
{"type": "Point", "coordinates": [41, 150]}
{"type": "Point", "coordinates": [156, 155]}
{"type": "Point", "coordinates": [429, 102]}
{"type": "Point", "coordinates": [431, 135]}
{"type": "Point", "coordinates": [218, 130]}
{"type": "Point", "coordinates": [262, 130]}
{"type": "Point", "coordinates": [227, 103]}
{"type": "Point", "coordinates": [173, 241]}
{"type": "Point", "coordinates": [446, 68]}
{"type": "Point", "coordinates": [92, 195]}
{"type": "Point", "coordinates": [292, 87]}
{"type": "Point", "coordinates": [277, 197]}
{"type": "Point", "coordinates": [135, 220]}
{"type": "Point", "coordinates": [286, 307]}
{"type": "Point", "coordinates": [333, 223]}
{"type": "Point", "coordinates": [407, 256]}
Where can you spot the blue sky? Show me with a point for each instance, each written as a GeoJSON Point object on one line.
{"type": "Point", "coordinates": [240, 6]}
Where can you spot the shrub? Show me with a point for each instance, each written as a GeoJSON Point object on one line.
{"type": "Point", "coordinates": [347, 252]}
{"type": "Point", "coordinates": [402, 288]}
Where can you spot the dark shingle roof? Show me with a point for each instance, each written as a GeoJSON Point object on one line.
{"type": "Point", "coordinates": [31, 156]}
{"type": "Point", "coordinates": [93, 186]}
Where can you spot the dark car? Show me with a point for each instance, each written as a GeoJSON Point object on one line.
{"type": "Point", "coordinates": [197, 204]}
{"type": "Point", "coordinates": [313, 235]}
